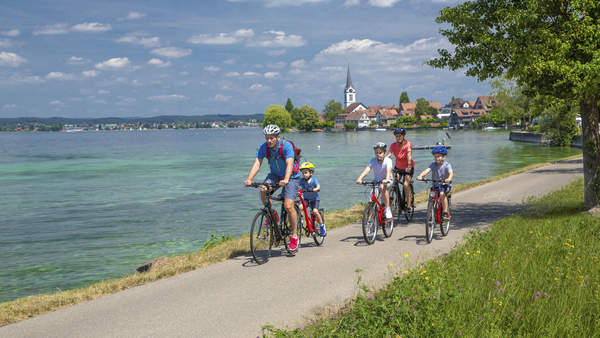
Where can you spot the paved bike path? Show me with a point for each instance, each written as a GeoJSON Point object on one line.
{"type": "Point", "coordinates": [234, 298]}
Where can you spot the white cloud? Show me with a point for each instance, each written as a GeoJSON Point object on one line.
{"type": "Point", "coordinates": [174, 97]}
{"type": "Point", "coordinates": [75, 99]}
{"type": "Point", "coordinates": [250, 74]}
{"type": "Point", "coordinates": [60, 76]}
{"type": "Point", "coordinates": [212, 69]}
{"type": "Point", "coordinates": [259, 87]}
{"type": "Point", "coordinates": [135, 15]}
{"type": "Point", "coordinates": [59, 103]}
{"type": "Point", "coordinates": [350, 3]}
{"type": "Point", "coordinates": [298, 64]}
{"type": "Point", "coordinates": [280, 40]}
{"type": "Point", "coordinates": [244, 33]}
{"type": "Point", "coordinates": [126, 101]}
{"type": "Point", "coordinates": [282, 3]}
{"type": "Point", "coordinates": [142, 41]}
{"type": "Point", "coordinates": [91, 27]}
{"type": "Point", "coordinates": [78, 61]}
{"type": "Point", "coordinates": [9, 106]}
{"type": "Point", "coordinates": [159, 63]}
{"type": "Point", "coordinates": [184, 73]}
{"type": "Point", "coordinates": [295, 71]}
{"type": "Point", "coordinates": [114, 64]}
{"type": "Point", "coordinates": [14, 32]}
{"type": "Point", "coordinates": [90, 73]}
{"type": "Point", "coordinates": [207, 39]}
{"type": "Point", "coordinates": [6, 43]}
{"type": "Point", "coordinates": [85, 91]}
{"type": "Point", "coordinates": [59, 28]}
{"type": "Point", "coordinates": [232, 74]}
{"type": "Point", "coordinates": [271, 74]}
{"type": "Point", "coordinates": [102, 91]}
{"type": "Point", "coordinates": [220, 97]}
{"type": "Point", "coordinates": [11, 59]}
{"type": "Point", "coordinates": [277, 65]}
{"type": "Point", "coordinates": [382, 3]}
{"type": "Point", "coordinates": [276, 52]}
{"type": "Point", "coordinates": [172, 52]}
{"type": "Point", "coordinates": [229, 61]}
{"type": "Point", "coordinates": [100, 101]}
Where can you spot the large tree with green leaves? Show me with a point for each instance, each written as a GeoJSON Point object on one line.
{"type": "Point", "coordinates": [276, 114]}
{"type": "Point", "coordinates": [403, 98]}
{"type": "Point", "coordinates": [332, 109]}
{"type": "Point", "coordinates": [550, 47]}
{"type": "Point", "coordinates": [423, 108]}
{"type": "Point", "coordinates": [307, 117]}
{"type": "Point", "coordinates": [289, 106]}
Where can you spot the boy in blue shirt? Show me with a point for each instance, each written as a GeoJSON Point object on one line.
{"type": "Point", "coordinates": [281, 163]}
{"type": "Point", "coordinates": [440, 171]}
{"type": "Point", "coordinates": [312, 198]}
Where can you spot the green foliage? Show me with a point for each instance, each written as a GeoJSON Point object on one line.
{"type": "Point", "coordinates": [423, 108]}
{"type": "Point", "coordinates": [320, 124]}
{"type": "Point", "coordinates": [215, 240]}
{"type": "Point", "coordinates": [373, 123]}
{"type": "Point", "coordinates": [289, 106]}
{"type": "Point", "coordinates": [403, 98]}
{"type": "Point", "coordinates": [349, 125]}
{"type": "Point", "coordinates": [404, 121]}
{"type": "Point", "coordinates": [306, 117]}
{"type": "Point", "coordinates": [532, 274]}
{"type": "Point", "coordinates": [330, 124]}
{"type": "Point", "coordinates": [443, 124]}
{"type": "Point", "coordinates": [474, 124]}
{"type": "Point", "coordinates": [276, 114]}
{"type": "Point", "coordinates": [533, 129]}
{"type": "Point", "coordinates": [429, 120]}
{"type": "Point", "coordinates": [332, 109]}
{"type": "Point", "coordinates": [560, 124]}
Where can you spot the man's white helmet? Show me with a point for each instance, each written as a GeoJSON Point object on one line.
{"type": "Point", "coordinates": [271, 129]}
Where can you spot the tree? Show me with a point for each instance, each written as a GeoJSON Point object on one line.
{"type": "Point", "coordinates": [332, 109]}
{"type": "Point", "coordinates": [423, 108]}
{"type": "Point", "coordinates": [308, 116]}
{"type": "Point", "coordinates": [349, 125]}
{"type": "Point", "coordinates": [289, 106]}
{"type": "Point", "coordinates": [549, 47]}
{"type": "Point", "coordinates": [404, 98]}
{"type": "Point", "coordinates": [276, 114]}
{"type": "Point", "coordinates": [559, 123]}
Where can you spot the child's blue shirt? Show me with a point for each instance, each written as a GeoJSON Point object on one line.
{"type": "Point", "coordinates": [440, 173]}
{"type": "Point", "coordinates": [310, 196]}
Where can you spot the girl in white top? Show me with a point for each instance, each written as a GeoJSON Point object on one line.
{"type": "Point", "coordinates": [382, 168]}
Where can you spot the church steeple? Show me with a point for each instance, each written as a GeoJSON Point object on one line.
{"type": "Point", "coordinates": [349, 93]}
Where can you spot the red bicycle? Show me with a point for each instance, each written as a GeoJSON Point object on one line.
{"type": "Point", "coordinates": [312, 225]}
{"type": "Point", "coordinates": [374, 216]}
{"type": "Point", "coordinates": [434, 210]}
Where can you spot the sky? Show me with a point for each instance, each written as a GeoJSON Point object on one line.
{"type": "Point", "coordinates": [103, 58]}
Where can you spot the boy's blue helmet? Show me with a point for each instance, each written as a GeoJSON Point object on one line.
{"type": "Point", "coordinates": [399, 131]}
{"type": "Point", "coordinates": [439, 150]}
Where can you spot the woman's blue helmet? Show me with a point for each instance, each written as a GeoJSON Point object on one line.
{"type": "Point", "coordinates": [399, 131]}
{"type": "Point", "coordinates": [439, 150]}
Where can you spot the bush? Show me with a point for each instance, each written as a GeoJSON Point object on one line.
{"type": "Point", "coordinates": [443, 124]}
{"type": "Point", "coordinates": [349, 125]}
{"type": "Point", "coordinates": [533, 129]}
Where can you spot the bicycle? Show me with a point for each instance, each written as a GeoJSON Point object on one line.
{"type": "Point", "coordinates": [374, 216]}
{"type": "Point", "coordinates": [398, 199]}
{"type": "Point", "coordinates": [434, 210]}
{"type": "Point", "coordinates": [270, 229]}
{"type": "Point", "coordinates": [312, 225]}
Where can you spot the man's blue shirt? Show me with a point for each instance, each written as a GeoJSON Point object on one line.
{"type": "Point", "coordinates": [278, 165]}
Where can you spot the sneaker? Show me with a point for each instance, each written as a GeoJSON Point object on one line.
{"type": "Point", "coordinates": [445, 216]}
{"type": "Point", "coordinates": [388, 213]}
{"type": "Point", "coordinates": [408, 210]}
{"type": "Point", "coordinates": [323, 232]}
{"type": "Point", "coordinates": [293, 243]}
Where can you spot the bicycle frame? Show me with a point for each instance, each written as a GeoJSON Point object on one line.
{"type": "Point", "coordinates": [435, 196]}
{"type": "Point", "coordinates": [376, 200]}
{"type": "Point", "coordinates": [269, 209]}
{"type": "Point", "coordinates": [309, 220]}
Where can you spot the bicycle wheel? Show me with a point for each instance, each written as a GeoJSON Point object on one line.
{"type": "Point", "coordinates": [318, 238]}
{"type": "Point", "coordinates": [286, 230]}
{"type": "Point", "coordinates": [370, 223]}
{"type": "Point", "coordinates": [430, 223]}
{"type": "Point", "coordinates": [388, 226]}
{"type": "Point", "coordinates": [445, 226]}
{"type": "Point", "coordinates": [395, 204]}
{"type": "Point", "coordinates": [409, 215]}
{"type": "Point", "coordinates": [261, 237]}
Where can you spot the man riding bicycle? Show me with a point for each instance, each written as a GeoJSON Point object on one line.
{"type": "Point", "coordinates": [402, 150]}
{"type": "Point", "coordinates": [281, 173]}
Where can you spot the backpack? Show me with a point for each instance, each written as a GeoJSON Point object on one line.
{"type": "Point", "coordinates": [297, 151]}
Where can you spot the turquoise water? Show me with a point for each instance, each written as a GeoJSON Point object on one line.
{"type": "Point", "coordinates": [77, 208]}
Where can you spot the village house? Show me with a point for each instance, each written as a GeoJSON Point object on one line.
{"type": "Point", "coordinates": [485, 102]}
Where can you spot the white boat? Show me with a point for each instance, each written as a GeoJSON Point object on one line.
{"type": "Point", "coordinates": [490, 128]}
{"type": "Point", "coordinates": [380, 129]}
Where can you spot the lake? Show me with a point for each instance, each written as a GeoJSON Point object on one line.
{"type": "Point", "coordinates": [77, 208]}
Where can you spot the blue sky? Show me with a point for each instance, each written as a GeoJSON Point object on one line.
{"type": "Point", "coordinates": [148, 58]}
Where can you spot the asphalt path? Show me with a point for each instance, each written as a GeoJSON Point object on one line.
{"type": "Point", "coordinates": [236, 297]}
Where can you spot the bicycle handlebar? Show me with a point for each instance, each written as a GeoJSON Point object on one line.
{"type": "Point", "coordinates": [426, 180]}
{"type": "Point", "coordinates": [258, 185]}
{"type": "Point", "coordinates": [372, 183]}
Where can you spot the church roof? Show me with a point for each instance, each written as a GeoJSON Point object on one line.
{"type": "Point", "coordinates": [349, 79]}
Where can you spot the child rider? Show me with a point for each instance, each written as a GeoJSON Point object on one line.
{"type": "Point", "coordinates": [312, 198]}
{"type": "Point", "coordinates": [440, 171]}
{"type": "Point", "coordinates": [382, 168]}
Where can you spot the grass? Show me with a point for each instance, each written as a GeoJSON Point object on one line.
{"type": "Point", "coordinates": [531, 274]}
{"type": "Point", "coordinates": [215, 250]}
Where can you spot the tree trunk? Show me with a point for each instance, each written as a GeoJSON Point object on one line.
{"type": "Point", "coordinates": [591, 152]}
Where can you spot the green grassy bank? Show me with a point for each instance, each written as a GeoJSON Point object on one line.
{"type": "Point", "coordinates": [215, 250]}
{"type": "Point", "coordinates": [532, 274]}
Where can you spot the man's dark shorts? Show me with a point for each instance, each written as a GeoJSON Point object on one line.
{"type": "Point", "coordinates": [290, 191]}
